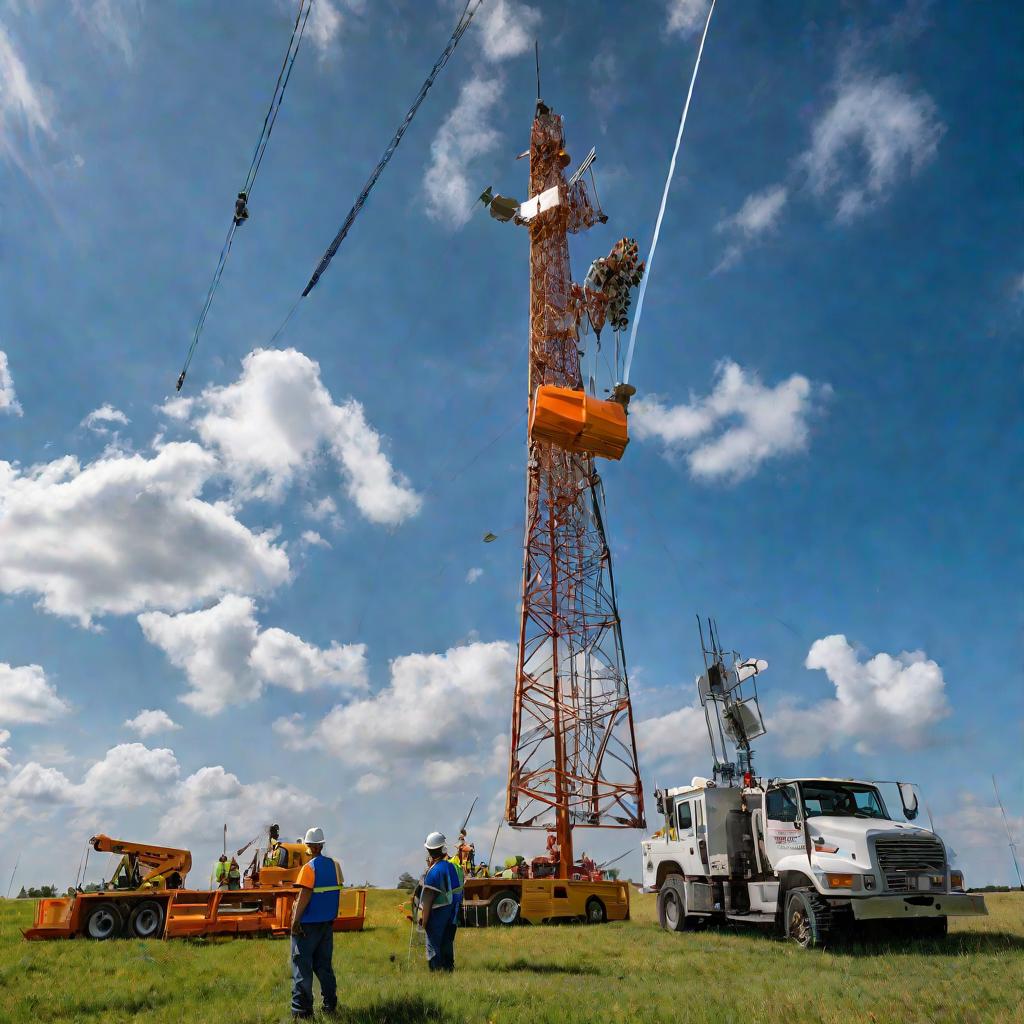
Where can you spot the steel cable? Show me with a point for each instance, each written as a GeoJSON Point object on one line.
{"type": "Point", "coordinates": [283, 76]}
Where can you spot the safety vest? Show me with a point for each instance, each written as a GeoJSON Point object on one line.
{"type": "Point", "coordinates": [328, 882]}
{"type": "Point", "coordinates": [459, 870]}
{"type": "Point", "coordinates": [451, 893]}
{"type": "Point", "coordinates": [221, 871]}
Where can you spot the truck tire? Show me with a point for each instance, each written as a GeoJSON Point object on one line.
{"type": "Point", "coordinates": [596, 913]}
{"type": "Point", "coordinates": [504, 909]}
{"type": "Point", "coordinates": [808, 918]}
{"type": "Point", "coordinates": [146, 920]}
{"type": "Point", "coordinates": [103, 922]}
{"type": "Point", "coordinates": [672, 913]}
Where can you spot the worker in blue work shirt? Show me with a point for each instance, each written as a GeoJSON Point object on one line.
{"type": "Point", "coordinates": [440, 904]}
{"type": "Point", "coordinates": [320, 882]}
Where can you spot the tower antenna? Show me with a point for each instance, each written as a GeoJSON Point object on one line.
{"type": "Point", "coordinates": [1009, 837]}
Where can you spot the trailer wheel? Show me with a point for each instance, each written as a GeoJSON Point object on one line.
{"type": "Point", "coordinates": [808, 918]}
{"type": "Point", "coordinates": [503, 909]}
{"type": "Point", "coordinates": [596, 914]}
{"type": "Point", "coordinates": [672, 906]}
{"type": "Point", "coordinates": [104, 922]}
{"type": "Point", "coordinates": [146, 920]}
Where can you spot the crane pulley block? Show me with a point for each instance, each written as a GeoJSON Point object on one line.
{"type": "Point", "coordinates": [579, 422]}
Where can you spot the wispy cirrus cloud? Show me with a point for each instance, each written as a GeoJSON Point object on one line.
{"type": "Point", "coordinates": [875, 134]}
{"type": "Point", "coordinates": [24, 106]}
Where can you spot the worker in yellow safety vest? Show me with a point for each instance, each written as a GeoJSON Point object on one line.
{"type": "Point", "coordinates": [234, 875]}
{"type": "Point", "coordinates": [220, 872]}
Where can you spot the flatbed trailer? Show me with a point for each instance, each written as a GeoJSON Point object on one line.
{"type": "Point", "coordinates": [181, 913]}
{"type": "Point", "coordinates": [507, 901]}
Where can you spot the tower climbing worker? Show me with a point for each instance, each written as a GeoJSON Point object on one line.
{"type": "Point", "coordinates": [241, 208]}
{"type": "Point", "coordinates": [440, 904]}
{"type": "Point", "coordinates": [220, 872]}
{"type": "Point", "coordinates": [234, 875]}
{"type": "Point", "coordinates": [320, 882]}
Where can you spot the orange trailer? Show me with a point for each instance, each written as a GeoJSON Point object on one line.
{"type": "Point", "coordinates": [145, 898]}
{"type": "Point", "coordinates": [181, 913]}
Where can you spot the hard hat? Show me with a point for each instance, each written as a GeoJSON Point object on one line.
{"type": "Point", "coordinates": [435, 841]}
{"type": "Point", "coordinates": [314, 835]}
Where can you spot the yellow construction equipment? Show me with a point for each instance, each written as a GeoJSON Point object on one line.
{"type": "Point", "coordinates": [156, 905]}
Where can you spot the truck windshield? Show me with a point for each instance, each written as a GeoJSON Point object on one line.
{"type": "Point", "coordinates": [842, 800]}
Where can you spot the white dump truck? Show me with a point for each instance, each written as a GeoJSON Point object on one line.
{"type": "Point", "coordinates": [801, 856]}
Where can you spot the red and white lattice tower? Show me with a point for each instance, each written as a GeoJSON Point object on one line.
{"type": "Point", "coordinates": [573, 760]}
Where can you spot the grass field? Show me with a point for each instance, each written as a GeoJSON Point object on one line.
{"type": "Point", "coordinates": [630, 971]}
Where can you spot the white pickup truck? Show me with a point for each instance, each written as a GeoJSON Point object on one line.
{"type": "Point", "coordinates": [800, 855]}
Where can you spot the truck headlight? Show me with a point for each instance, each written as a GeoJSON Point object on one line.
{"type": "Point", "coordinates": [834, 881]}
{"type": "Point", "coordinates": [956, 880]}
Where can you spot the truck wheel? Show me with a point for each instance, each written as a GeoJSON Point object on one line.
{"type": "Point", "coordinates": [672, 907]}
{"type": "Point", "coordinates": [104, 922]}
{"type": "Point", "coordinates": [596, 914]}
{"type": "Point", "coordinates": [503, 908]}
{"type": "Point", "coordinates": [808, 918]}
{"type": "Point", "coordinates": [146, 920]}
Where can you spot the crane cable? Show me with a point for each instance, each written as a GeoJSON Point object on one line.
{"type": "Point", "coordinates": [664, 200]}
{"type": "Point", "coordinates": [241, 203]}
{"type": "Point", "coordinates": [472, 6]}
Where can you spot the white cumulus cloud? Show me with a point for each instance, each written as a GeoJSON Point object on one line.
{"type": "Point", "coordinates": [474, 574]}
{"type": "Point", "coordinates": [886, 700]}
{"type": "Point", "coordinates": [271, 424]}
{"type": "Point", "coordinates": [128, 775]}
{"type": "Point", "coordinates": [507, 28]}
{"type": "Point", "coordinates": [679, 735]}
{"type": "Point", "coordinates": [465, 136]}
{"type": "Point", "coordinates": [149, 722]}
{"type": "Point", "coordinates": [213, 795]}
{"type": "Point", "coordinates": [27, 697]}
{"type": "Point", "coordinates": [98, 419]}
{"type": "Point", "coordinates": [124, 533]}
{"type": "Point", "coordinates": [437, 709]}
{"type": "Point", "coordinates": [731, 432]}
{"type": "Point", "coordinates": [758, 215]}
{"type": "Point", "coordinates": [227, 659]}
{"type": "Point", "coordinates": [8, 399]}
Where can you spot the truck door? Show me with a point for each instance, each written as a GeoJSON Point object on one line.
{"type": "Point", "coordinates": [690, 858]}
{"type": "Point", "coordinates": [783, 834]}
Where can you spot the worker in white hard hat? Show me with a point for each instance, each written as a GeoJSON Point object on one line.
{"type": "Point", "coordinates": [440, 904]}
{"type": "Point", "coordinates": [320, 882]}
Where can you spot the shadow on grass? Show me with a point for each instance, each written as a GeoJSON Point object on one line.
{"type": "Point", "coordinates": [542, 967]}
{"type": "Point", "coordinates": [402, 1010]}
{"type": "Point", "coordinates": [955, 945]}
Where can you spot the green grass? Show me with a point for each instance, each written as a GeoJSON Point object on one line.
{"type": "Point", "coordinates": [568, 974]}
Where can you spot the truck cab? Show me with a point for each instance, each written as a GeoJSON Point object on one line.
{"type": "Point", "coordinates": [800, 855]}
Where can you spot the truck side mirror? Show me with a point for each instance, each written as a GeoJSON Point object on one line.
{"type": "Point", "coordinates": [908, 797]}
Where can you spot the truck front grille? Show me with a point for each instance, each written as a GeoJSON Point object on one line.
{"type": "Point", "coordinates": [902, 857]}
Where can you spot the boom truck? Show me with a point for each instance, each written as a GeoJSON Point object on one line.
{"type": "Point", "coordinates": [146, 897]}
{"type": "Point", "coordinates": [802, 856]}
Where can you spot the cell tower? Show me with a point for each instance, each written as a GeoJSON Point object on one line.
{"type": "Point", "coordinates": [573, 759]}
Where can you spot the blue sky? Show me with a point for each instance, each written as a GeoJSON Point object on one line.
{"type": "Point", "coordinates": [289, 564]}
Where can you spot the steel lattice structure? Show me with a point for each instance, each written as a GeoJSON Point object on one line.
{"type": "Point", "coordinates": [573, 760]}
